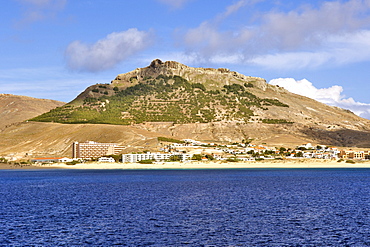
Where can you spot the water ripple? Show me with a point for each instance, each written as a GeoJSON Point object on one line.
{"type": "Point", "coordinates": [297, 207]}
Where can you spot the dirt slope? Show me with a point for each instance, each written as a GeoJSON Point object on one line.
{"type": "Point", "coordinates": [14, 109]}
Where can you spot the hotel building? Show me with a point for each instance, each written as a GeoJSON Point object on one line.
{"type": "Point", "coordinates": [92, 149]}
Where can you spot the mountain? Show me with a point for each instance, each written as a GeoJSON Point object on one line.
{"type": "Point", "coordinates": [15, 109]}
{"type": "Point", "coordinates": [166, 92]}
{"type": "Point", "coordinates": [174, 100]}
{"type": "Point", "coordinates": [173, 92]}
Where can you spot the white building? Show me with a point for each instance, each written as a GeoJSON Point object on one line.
{"type": "Point", "coordinates": [132, 158]}
{"type": "Point", "coordinates": [307, 146]}
{"type": "Point", "coordinates": [51, 160]}
{"type": "Point", "coordinates": [106, 159]}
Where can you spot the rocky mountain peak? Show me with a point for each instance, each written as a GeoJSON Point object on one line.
{"type": "Point", "coordinates": [196, 75]}
{"type": "Point", "coordinates": [155, 63]}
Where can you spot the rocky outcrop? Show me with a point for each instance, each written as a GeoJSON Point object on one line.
{"type": "Point", "coordinates": [196, 75]}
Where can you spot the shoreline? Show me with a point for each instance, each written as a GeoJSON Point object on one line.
{"type": "Point", "coordinates": [194, 165]}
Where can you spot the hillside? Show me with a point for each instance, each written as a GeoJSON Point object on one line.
{"type": "Point", "coordinates": [14, 109]}
{"type": "Point", "coordinates": [173, 100]}
{"type": "Point", "coordinates": [173, 92]}
{"type": "Point", "coordinates": [158, 94]}
{"type": "Point", "coordinates": [32, 139]}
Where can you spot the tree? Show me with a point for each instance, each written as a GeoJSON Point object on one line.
{"type": "Point", "coordinates": [299, 154]}
{"type": "Point", "coordinates": [209, 157]}
{"type": "Point", "coordinates": [175, 158]}
{"type": "Point", "coordinates": [196, 157]}
{"type": "Point", "coordinates": [3, 160]}
{"type": "Point", "coordinates": [116, 157]}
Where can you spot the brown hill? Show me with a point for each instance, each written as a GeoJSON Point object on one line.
{"type": "Point", "coordinates": [275, 116]}
{"type": "Point", "coordinates": [34, 139]}
{"type": "Point", "coordinates": [15, 109]}
{"type": "Point", "coordinates": [173, 92]}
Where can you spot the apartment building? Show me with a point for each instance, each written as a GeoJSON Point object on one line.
{"type": "Point", "coordinates": [92, 149]}
{"type": "Point", "coordinates": [132, 158]}
{"type": "Point", "coordinates": [357, 155]}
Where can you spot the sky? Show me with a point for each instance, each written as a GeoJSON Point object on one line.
{"type": "Point", "coordinates": [54, 49]}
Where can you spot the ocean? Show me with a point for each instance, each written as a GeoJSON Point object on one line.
{"type": "Point", "coordinates": [235, 207]}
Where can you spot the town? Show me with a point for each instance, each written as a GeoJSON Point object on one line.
{"type": "Point", "coordinates": [188, 150]}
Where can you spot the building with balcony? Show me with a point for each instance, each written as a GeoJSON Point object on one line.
{"type": "Point", "coordinates": [132, 158]}
{"type": "Point", "coordinates": [92, 149]}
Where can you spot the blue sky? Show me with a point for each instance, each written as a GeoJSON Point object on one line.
{"type": "Point", "coordinates": [54, 49]}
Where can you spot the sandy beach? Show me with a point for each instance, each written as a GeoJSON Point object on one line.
{"type": "Point", "coordinates": [26, 167]}
{"type": "Point", "coordinates": [200, 165]}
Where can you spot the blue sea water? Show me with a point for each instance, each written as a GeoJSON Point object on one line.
{"type": "Point", "coordinates": [236, 207]}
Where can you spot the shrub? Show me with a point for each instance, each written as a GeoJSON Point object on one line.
{"type": "Point", "coordinates": [299, 154]}
{"type": "Point", "coordinates": [145, 162]}
{"type": "Point", "coordinates": [174, 158]}
{"type": "Point", "coordinates": [72, 163]}
{"type": "Point", "coordinates": [276, 121]}
{"type": "Point", "coordinates": [350, 161]}
{"type": "Point", "coordinates": [166, 139]}
{"type": "Point", "coordinates": [232, 160]}
{"type": "Point", "coordinates": [198, 85]}
{"type": "Point", "coordinates": [214, 91]}
{"type": "Point", "coordinates": [209, 157]}
{"type": "Point", "coordinates": [196, 157]}
{"type": "Point", "coordinates": [234, 88]}
{"type": "Point", "coordinates": [274, 102]}
{"type": "Point", "coordinates": [3, 160]}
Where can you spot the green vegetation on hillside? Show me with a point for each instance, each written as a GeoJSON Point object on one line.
{"type": "Point", "coordinates": [276, 121]}
{"type": "Point", "coordinates": [166, 139]}
{"type": "Point", "coordinates": [163, 99]}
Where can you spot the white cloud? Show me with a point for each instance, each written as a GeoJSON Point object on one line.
{"type": "Point", "coordinates": [335, 32]}
{"type": "Point", "coordinates": [107, 52]}
{"type": "Point", "coordinates": [181, 57]}
{"type": "Point", "coordinates": [332, 96]}
{"type": "Point", "coordinates": [291, 60]}
{"type": "Point", "coordinates": [311, 26]}
{"type": "Point", "coordinates": [207, 40]}
{"type": "Point", "coordinates": [234, 8]}
{"type": "Point", "coordinates": [336, 50]}
{"type": "Point", "coordinates": [37, 10]}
